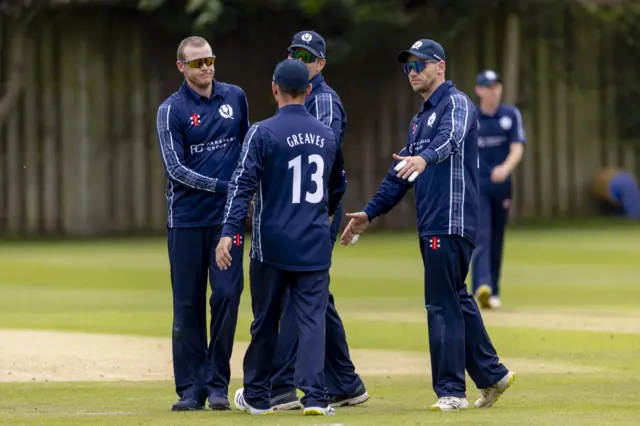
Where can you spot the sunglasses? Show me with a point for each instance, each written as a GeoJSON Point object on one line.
{"type": "Point", "coordinates": [197, 63]}
{"type": "Point", "coordinates": [306, 56]}
{"type": "Point", "coordinates": [417, 66]}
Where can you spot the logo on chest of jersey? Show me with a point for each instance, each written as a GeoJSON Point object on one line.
{"type": "Point", "coordinates": [194, 119]}
{"type": "Point", "coordinates": [211, 145]}
{"type": "Point", "coordinates": [419, 146]}
{"type": "Point", "coordinates": [226, 111]}
{"type": "Point", "coordinates": [505, 122]}
{"type": "Point", "coordinates": [431, 119]}
{"type": "Point", "coordinates": [415, 127]}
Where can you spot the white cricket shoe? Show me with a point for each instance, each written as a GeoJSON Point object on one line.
{"type": "Point", "coordinates": [319, 411]}
{"type": "Point", "coordinates": [242, 405]}
{"type": "Point", "coordinates": [483, 294]}
{"type": "Point", "coordinates": [450, 403]}
{"type": "Point", "coordinates": [494, 302]}
{"type": "Point", "coordinates": [490, 395]}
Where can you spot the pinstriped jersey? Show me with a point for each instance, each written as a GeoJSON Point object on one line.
{"type": "Point", "coordinates": [496, 133]}
{"type": "Point", "coordinates": [325, 105]}
{"type": "Point", "coordinates": [445, 133]}
{"type": "Point", "coordinates": [293, 166]}
{"type": "Point", "coordinates": [200, 141]}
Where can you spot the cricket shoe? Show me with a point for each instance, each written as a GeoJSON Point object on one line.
{"type": "Point", "coordinates": [286, 401]}
{"type": "Point", "coordinates": [491, 394]}
{"type": "Point", "coordinates": [483, 294]}
{"type": "Point", "coordinates": [242, 405]}
{"type": "Point", "coordinates": [187, 404]}
{"type": "Point", "coordinates": [450, 403]}
{"type": "Point", "coordinates": [359, 396]}
{"type": "Point", "coordinates": [494, 302]}
{"type": "Point", "coordinates": [219, 403]}
{"type": "Point", "coordinates": [319, 411]}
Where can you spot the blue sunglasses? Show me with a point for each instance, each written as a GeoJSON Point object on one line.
{"type": "Point", "coordinates": [417, 66]}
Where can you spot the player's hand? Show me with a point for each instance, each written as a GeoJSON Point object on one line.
{"type": "Point", "coordinates": [499, 174]}
{"type": "Point", "coordinates": [223, 253]}
{"type": "Point", "coordinates": [357, 225]}
{"type": "Point", "coordinates": [409, 167]}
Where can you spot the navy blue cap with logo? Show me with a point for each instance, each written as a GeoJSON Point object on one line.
{"type": "Point", "coordinates": [311, 41]}
{"type": "Point", "coordinates": [424, 49]}
{"type": "Point", "coordinates": [487, 78]}
{"type": "Point", "coordinates": [291, 75]}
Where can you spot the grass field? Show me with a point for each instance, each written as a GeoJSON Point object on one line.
{"type": "Point", "coordinates": [570, 328]}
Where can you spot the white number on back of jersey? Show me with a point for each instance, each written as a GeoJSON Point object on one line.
{"type": "Point", "coordinates": [316, 177]}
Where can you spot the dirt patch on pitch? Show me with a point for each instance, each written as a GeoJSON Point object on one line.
{"type": "Point", "coordinates": [556, 320]}
{"type": "Point", "coordinates": [29, 355]}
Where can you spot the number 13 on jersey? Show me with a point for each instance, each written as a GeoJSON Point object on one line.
{"type": "Point", "coordinates": [310, 197]}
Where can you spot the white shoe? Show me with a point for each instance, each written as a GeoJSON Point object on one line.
{"type": "Point", "coordinates": [483, 294]}
{"type": "Point", "coordinates": [494, 302]}
{"type": "Point", "coordinates": [450, 403]}
{"type": "Point", "coordinates": [490, 395]}
{"type": "Point", "coordinates": [242, 405]}
{"type": "Point", "coordinates": [319, 411]}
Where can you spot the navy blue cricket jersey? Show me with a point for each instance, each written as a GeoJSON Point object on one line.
{"type": "Point", "coordinates": [444, 132]}
{"type": "Point", "coordinates": [200, 141]}
{"type": "Point", "coordinates": [292, 162]}
{"type": "Point", "coordinates": [496, 133]}
{"type": "Point", "coordinates": [325, 104]}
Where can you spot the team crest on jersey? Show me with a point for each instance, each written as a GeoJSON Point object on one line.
{"type": "Point", "coordinates": [432, 118]}
{"type": "Point", "coordinates": [194, 119]}
{"type": "Point", "coordinates": [415, 127]}
{"type": "Point", "coordinates": [505, 122]}
{"type": "Point", "coordinates": [226, 111]}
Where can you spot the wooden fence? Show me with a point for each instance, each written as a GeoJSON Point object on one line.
{"type": "Point", "coordinates": [79, 154]}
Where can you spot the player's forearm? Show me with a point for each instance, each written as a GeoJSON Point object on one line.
{"type": "Point", "coordinates": [516, 152]}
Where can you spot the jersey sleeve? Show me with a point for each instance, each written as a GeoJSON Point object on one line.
{"type": "Point", "coordinates": [243, 182]}
{"type": "Point", "coordinates": [454, 126]}
{"type": "Point", "coordinates": [337, 182]}
{"type": "Point", "coordinates": [516, 133]}
{"type": "Point", "coordinates": [170, 138]}
{"type": "Point", "coordinates": [326, 108]}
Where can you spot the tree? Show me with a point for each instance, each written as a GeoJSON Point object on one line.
{"type": "Point", "coordinates": [19, 16]}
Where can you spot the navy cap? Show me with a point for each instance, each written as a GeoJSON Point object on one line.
{"type": "Point", "coordinates": [312, 41]}
{"type": "Point", "coordinates": [423, 49]}
{"type": "Point", "coordinates": [291, 74]}
{"type": "Point", "coordinates": [487, 78]}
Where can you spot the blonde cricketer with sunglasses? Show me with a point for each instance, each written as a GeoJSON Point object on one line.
{"type": "Point", "coordinates": [200, 131]}
{"type": "Point", "coordinates": [440, 162]}
{"type": "Point", "coordinates": [344, 385]}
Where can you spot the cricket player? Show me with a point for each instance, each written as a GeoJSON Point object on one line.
{"type": "Point", "coordinates": [293, 163]}
{"type": "Point", "coordinates": [501, 146]}
{"type": "Point", "coordinates": [344, 385]}
{"type": "Point", "coordinates": [200, 131]}
{"type": "Point", "coordinates": [440, 161]}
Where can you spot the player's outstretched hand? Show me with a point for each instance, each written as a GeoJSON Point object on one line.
{"type": "Point", "coordinates": [357, 225]}
{"type": "Point", "coordinates": [409, 167]}
{"type": "Point", "coordinates": [223, 253]}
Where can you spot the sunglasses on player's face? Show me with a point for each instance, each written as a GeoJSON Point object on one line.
{"type": "Point", "coordinates": [197, 63]}
{"type": "Point", "coordinates": [306, 56]}
{"type": "Point", "coordinates": [417, 66]}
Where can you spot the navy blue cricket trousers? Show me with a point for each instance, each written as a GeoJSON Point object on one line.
{"type": "Point", "coordinates": [458, 339]}
{"type": "Point", "coordinates": [309, 296]}
{"type": "Point", "coordinates": [341, 379]}
{"type": "Point", "coordinates": [495, 202]}
{"type": "Point", "coordinates": [202, 367]}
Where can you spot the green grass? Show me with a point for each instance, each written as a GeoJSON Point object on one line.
{"type": "Point", "coordinates": [122, 286]}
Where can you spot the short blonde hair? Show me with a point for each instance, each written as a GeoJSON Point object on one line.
{"type": "Point", "coordinates": [190, 41]}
